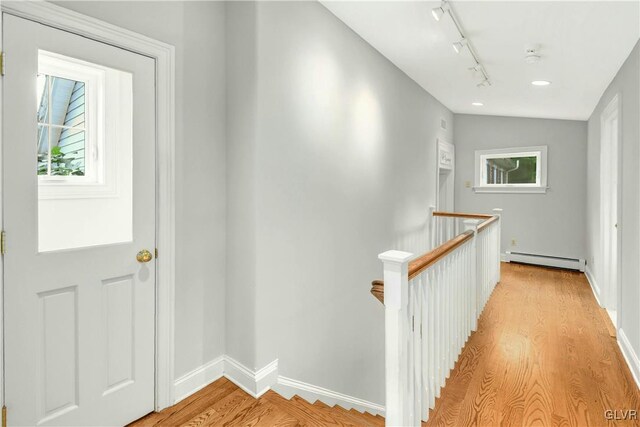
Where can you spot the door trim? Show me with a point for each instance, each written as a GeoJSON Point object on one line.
{"type": "Point", "coordinates": [444, 146]}
{"type": "Point", "coordinates": [164, 56]}
{"type": "Point", "coordinates": [612, 108]}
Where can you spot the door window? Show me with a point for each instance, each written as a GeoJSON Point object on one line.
{"type": "Point", "coordinates": [84, 150]}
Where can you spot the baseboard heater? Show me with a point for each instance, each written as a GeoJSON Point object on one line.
{"type": "Point", "coordinates": [546, 260]}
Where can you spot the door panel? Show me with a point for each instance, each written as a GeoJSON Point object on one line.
{"type": "Point", "coordinates": [79, 322]}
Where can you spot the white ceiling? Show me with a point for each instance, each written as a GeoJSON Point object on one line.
{"type": "Point", "coordinates": [582, 44]}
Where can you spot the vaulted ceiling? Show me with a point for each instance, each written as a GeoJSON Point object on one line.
{"type": "Point", "coordinates": [582, 44]}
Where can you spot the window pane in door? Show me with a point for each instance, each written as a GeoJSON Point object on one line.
{"type": "Point", "coordinates": [67, 155]}
{"type": "Point", "coordinates": [43, 150]}
{"type": "Point", "coordinates": [67, 102]}
{"type": "Point", "coordinates": [512, 170]}
{"type": "Point", "coordinates": [61, 136]}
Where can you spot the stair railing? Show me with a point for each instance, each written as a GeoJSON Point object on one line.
{"type": "Point", "coordinates": [432, 304]}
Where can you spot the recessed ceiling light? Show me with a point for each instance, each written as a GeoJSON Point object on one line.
{"type": "Point", "coordinates": [477, 104]}
{"type": "Point", "coordinates": [541, 83]}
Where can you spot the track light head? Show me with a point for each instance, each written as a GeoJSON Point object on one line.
{"type": "Point", "coordinates": [458, 46]}
{"type": "Point", "coordinates": [477, 70]}
{"type": "Point", "coordinates": [438, 12]}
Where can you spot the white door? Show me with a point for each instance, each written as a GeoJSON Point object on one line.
{"type": "Point", "coordinates": [609, 191]}
{"type": "Point", "coordinates": [79, 204]}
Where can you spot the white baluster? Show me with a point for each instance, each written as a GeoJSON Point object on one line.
{"type": "Point", "coordinates": [432, 337]}
{"type": "Point", "coordinates": [398, 412]}
{"type": "Point", "coordinates": [474, 284]}
{"type": "Point", "coordinates": [448, 311]}
{"type": "Point", "coordinates": [457, 308]}
{"type": "Point", "coordinates": [440, 325]}
{"type": "Point", "coordinates": [498, 212]}
{"type": "Point", "coordinates": [424, 330]}
{"type": "Point", "coordinates": [415, 362]}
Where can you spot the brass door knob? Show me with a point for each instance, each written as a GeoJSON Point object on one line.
{"type": "Point", "coordinates": [144, 256]}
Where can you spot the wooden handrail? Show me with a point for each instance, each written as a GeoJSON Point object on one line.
{"type": "Point", "coordinates": [484, 224]}
{"type": "Point", "coordinates": [377, 289]}
{"type": "Point", "coordinates": [463, 215]}
{"type": "Point", "coordinates": [418, 265]}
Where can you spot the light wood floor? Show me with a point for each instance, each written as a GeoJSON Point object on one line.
{"type": "Point", "coordinates": [543, 355]}
{"type": "Point", "coordinates": [224, 404]}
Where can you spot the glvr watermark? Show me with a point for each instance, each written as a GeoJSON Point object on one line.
{"type": "Point", "coordinates": [621, 414]}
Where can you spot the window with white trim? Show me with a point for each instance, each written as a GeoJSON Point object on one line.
{"type": "Point", "coordinates": [70, 94]}
{"type": "Point", "coordinates": [511, 170]}
{"type": "Point", "coordinates": [83, 115]}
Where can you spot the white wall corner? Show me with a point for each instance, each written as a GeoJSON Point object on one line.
{"type": "Point", "coordinates": [594, 285]}
{"type": "Point", "coordinates": [199, 378]}
{"type": "Point", "coordinates": [630, 356]}
{"type": "Point", "coordinates": [256, 383]}
{"type": "Point", "coordinates": [504, 257]}
{"type": "Point", "coordinates": [288, 387]}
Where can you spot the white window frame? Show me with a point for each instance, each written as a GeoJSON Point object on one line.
{"type": "Point", "coordinates": [93, 77]}
{"type": "Point", "coordinates": [107, 108]}
{"type": "Point", "coordinates": [481, 157]}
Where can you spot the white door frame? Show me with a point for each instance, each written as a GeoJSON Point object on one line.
{"type": "Point", "coordinates": [611, 110]}
{"type": "Point", "coordinates": [442, 147]}
{"type": "Point", "coordinates": [164, 56]}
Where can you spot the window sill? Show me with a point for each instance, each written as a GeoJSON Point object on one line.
{"type": "Point", "coordinates": [67, 190]}
{"type": "Point", "coordinates": [515, 190]}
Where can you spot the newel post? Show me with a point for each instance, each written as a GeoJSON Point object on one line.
{"type": "Point", "coordinates": [432, 227]}
{"type": "Point", "coordinates": [396, 301]}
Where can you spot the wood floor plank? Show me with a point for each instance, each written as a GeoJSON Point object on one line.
{"type": "Point", "coordinates": [323, 415]}
{"type": "Point", "coordinates": [302, 414]}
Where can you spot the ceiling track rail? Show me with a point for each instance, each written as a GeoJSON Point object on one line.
{"type": "Point", "coordinates": [478, 65]}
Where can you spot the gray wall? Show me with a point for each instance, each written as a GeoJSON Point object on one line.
{"type": "Point", "coordinates": [197, 30]}
{"type": "Point", "coordinates": [340, 167]}
{"type": "Point", "coordinates": [627, 85]}
{"type": "Point", "coordinates": [548, 224]}
{"type": "Point", "coordinates": [241, 184]}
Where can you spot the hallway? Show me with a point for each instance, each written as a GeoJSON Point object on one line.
{"type": "Point", "coordinates": [542, 355]}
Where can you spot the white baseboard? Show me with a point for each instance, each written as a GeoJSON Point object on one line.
{"type": "Point", "coordinates": [594, 285]}
{"type": "Point", "coordinates": [288, 387]}
{"type": "Point", "coordinates": [545, 260]}
{"type": "Point", "coordinates": [630, 356]}
{"type": "Point", "coordinates": [255, 383]}
{"type": "Point", "coordinates": [199, 378]}
{"type": "Point", "coordinates": [504, 257]}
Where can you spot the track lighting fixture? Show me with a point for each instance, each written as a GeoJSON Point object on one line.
{"type": "Point", "coordinates": [459, 45]}
{"type": "Point", "coordinates": [438, 12]}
